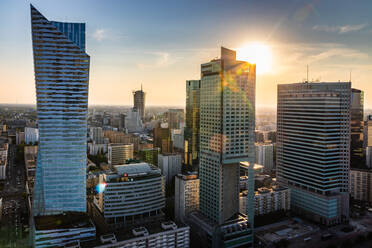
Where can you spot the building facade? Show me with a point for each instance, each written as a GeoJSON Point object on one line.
{"type": "Point", "coordinates": [265, 155]}
{"type": "Point", "coordinates": [139, 102]}
{"type": "Point", "coordinates": [3, 160]}
{"type": "Point", "coordinates": [368, 141]}
{"type": "Point", "coordinates": [62, 78]}
{"type": "Point", "coordinates": [267, 200]}
{"type": "Point", "coordinates": [192, 129]}
{"type": "Point", "coordinates": [163, 138]}
{"type": "Point", "coordinates": [357, 155]}
{"type": "Point", "coordinates": [31, 135]}
{"type": "Point", "coordinates": [170, 165]}
{"type": "Point", "coordinates": [186, 195]}
{"type": "Point", "coordinates": [313, 148]}
{"type": "Point", "coordinates": [361, 185]}
{"type": "Point", "coordinates": [119, 153]}
{"type": "Point", "coordinates": [130, 193]}
{"type": "Point", "coordinates": [175, 117]}
{"type": "Point", "coordinates": [96, 135]}
{"type": "Point", "coordinates": [150, 155]}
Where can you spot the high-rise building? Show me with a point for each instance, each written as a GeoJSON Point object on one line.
{"type": "Point", "coordinates": [163, 138]}
{"type": "Point", "coordinates": [313, 148]}
{"type": "Point", "coordinates": [361, 185]}
{"type": "Point", "coordinates": [96, 135]}
{"type": "Point", "coordinates": [133, 122]}
{"type": "Point", "coordinates": [227, 124]}
{"type": "Point", "coordinates": [139, 102]}
{"type": "Point", "coordinates": [150, 155]}
{"type": "Point", "coordinates": [31, 135]}
{"type": "Point", "coordinates": [118, 154]}
{"type": "Point", "coordinates": [192, 128]}
{"type": "Point", "coordinates": [175, 117]}
{"type": "Point", "coordinates": [62, 78]}
{"type": "Point", "coordinates": [265, 155]}
{"type": "Point", "coordinates": [357, 159]}
{"type": "Point", "coordinates": [368, 141]}
{"type": "Point", "coordinates": [178, 138]}
{"type": "Point", "coordinates": [186, 195]}
{"type": "Point", "coordinates": [170, 165]}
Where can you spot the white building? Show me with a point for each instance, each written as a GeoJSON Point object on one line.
{"type": "Point", "coordinates": [165, 234]}
{"type": "Point", "coordinates": [3, 160]}
{"type": "Point", "coordinates": [133, 122]}
{"type": "Point", "coordinates": [170, 165]}
{"type": "Point", "coordinates": [186, 195]}
{"type": "Point", "coordinates": [31, 135]}
{"type": "Point", "coordinates": [267, 200]}
{"type": "Point", "coordinates": [265, 155]}
{"type": "Point", "coordinates": [119, 153]}
{"type": "Point", "coordinates": [94, 149]}
{"type": "Point", "coordinates": [130, 192]}
{"type": "Point", "coordinates": [96, 135]}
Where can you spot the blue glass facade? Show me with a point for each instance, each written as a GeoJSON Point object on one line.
{"type": "Point", "coordinates": [62, 80]}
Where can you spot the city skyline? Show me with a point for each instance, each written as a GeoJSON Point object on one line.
{"type": "Point", "coordinates": [137, 45]}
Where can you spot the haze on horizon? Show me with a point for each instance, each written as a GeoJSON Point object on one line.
{"type": "Point", "coordinates": [162, 44]}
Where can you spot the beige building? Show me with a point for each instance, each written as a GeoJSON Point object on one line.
{"type": "Point", "coordinates": [267, 200]}
{"type": "Point", "coordinates": [119, 153]}
{"type": "Point", "coordinates": [361, 184]}
{"type": "Point", "coordinates": [116, 137]}
{"type": "Point", "coordinates": [186, 195]}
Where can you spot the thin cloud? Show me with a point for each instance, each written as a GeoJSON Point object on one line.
{"type": "Point", "coordinates": [163, 59]}
{"type": "Point", "coordinates": [340, 29]}
{"type": "Point", "coordinates": [99, 34]}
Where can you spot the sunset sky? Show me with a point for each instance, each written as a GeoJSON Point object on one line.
{"type": "Point", "coordinates": [161, 44]}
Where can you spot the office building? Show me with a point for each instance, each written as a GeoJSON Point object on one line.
{"type": "Point", "coordinates": [149, 156]}
{"type": "Point", "coordinates": [313, 148]}
{"type": "Point", "coordinates": [163, 233]}
{"type": "Point", "coordinates": [265, 155]}
{"type": "Point", "coordinates": [357, 159]}
{"type": "Point", "coordinates": [133, 121]}
{"type": "Point", "coordinates": [175, 117]}
{"type": "Point", "coordinates": [141, 188]}
{"type": "Point", "coordinates": [119, 153]}
{"type": "Point", "coordinates": [368, 141]}
{"type": "Point", "coordinates": [139, 102]}
{"type": "Point", "coordinates": [361, 184]}
{"type": "Point", "coordinates": [162, 138]}
{"type": "Point", "coordinates": [31, 135]}
{"type": "Point", "coordinates": [227, 124]}
{"type": "Point", "coordinates": [267, 200]}
{"type": "Point", "coordinates": [96, 135]}
{"type": "Point", "coordinates": [186, 195]}
{"type": "Point", "coordinates": [116, 137]}
{"type": "Point", "coordinates": [20, 137]}
{"type": "Point", "coordinates": [178, 138]}
{"type": "Point", "coordinates": [62, 106]}
{"type": "Point", "coordinates": [192, 129]}
{"type": "Point", "coordinates": [170, 165]}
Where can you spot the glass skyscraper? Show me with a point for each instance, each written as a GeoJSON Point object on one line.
{"type": "Point", "coordinates": [313, 148]}
{"type": "Point", "coordinates": [62, 79]}
{"type": "Point", "coordinates": [227, 124]}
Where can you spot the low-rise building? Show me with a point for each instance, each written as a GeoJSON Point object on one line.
{"type": "Point", "coordinates": [119, 153]}
{"type": "Point", "coordinates": [3, 160]}
{"type": "Point", "coordinates": [186, 195]}
{"type": "Point", "coordinates": [267, 200]}
{"type": "Point", "coordinates": [129, 193]}
{"type": "Point", "coordinates": [361, 184]}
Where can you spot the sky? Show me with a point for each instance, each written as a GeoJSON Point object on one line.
{"type": "Point", "coordinates": [161, 44]}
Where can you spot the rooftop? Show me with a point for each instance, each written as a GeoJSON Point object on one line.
{"type": "Point", "coordinates": [63, 221]}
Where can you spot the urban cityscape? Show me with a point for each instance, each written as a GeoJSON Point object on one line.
{"type": "Point", "coordinates": [185, 124]}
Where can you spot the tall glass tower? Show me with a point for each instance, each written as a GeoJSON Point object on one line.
{"type": "Point", "coordinates": [227, 124]}
{"type": "Point", "coordinates": [62, 79]}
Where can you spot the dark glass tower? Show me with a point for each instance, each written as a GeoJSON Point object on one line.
{"type": "Point", "coordinates": [357, 158]}
{"type": "Point", "coordinates": [62, 78]}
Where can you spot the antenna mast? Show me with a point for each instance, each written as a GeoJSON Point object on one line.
{"type": "Point", "coordinates": [307, 73]}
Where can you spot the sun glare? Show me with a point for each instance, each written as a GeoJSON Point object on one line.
{"type": "Point", "coordinates": [256, 53]}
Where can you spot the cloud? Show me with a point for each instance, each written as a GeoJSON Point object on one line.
{"type": "Point", "coordinates": [99, 34]}
{"type": "Point", "coordinates": [339, 29]}
{"type": "Point", "coordinates": [162, 59]}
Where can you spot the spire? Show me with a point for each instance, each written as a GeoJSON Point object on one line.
{"type": "Point", "coordinates": [141, 87]}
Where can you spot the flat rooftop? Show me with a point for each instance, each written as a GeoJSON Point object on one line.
{"type": "Point", "coordinates": [63, 221]}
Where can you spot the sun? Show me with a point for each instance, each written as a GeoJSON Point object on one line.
{"type": "Point", "coordinates": [256, 53]}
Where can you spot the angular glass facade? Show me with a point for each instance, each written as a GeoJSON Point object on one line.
{"type": "Point", "coordinates": [227, 124]}
{"type": "Point", "coordinates": [62, 80]}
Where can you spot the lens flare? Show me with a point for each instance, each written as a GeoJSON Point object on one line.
{"type": "Point", "coordinates": [256, 53]}
{"type": "Point", "coordinates": [100, 187]}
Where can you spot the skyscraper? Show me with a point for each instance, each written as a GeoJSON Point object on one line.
{"type": "Point", "coordinates": [357, 158]}
{"type": "Point", "coordinates": [192, 128]}
{"type": "Point", "coordinates": [62, 79]}
{"type": "Point", "coordinates": [139, 102]}
{"type": "Point", "coordinates": [313, 148]}
{"type": "Point", "coordinates": [227, 124]}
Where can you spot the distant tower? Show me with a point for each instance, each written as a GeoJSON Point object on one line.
{"type": "Point", "coordinates": [139, 102]}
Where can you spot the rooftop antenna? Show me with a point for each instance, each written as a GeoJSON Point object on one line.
{"type": "Point", "coordinates": [350, 76]}
{"type": "Point", "coordinates": [141, 86]}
